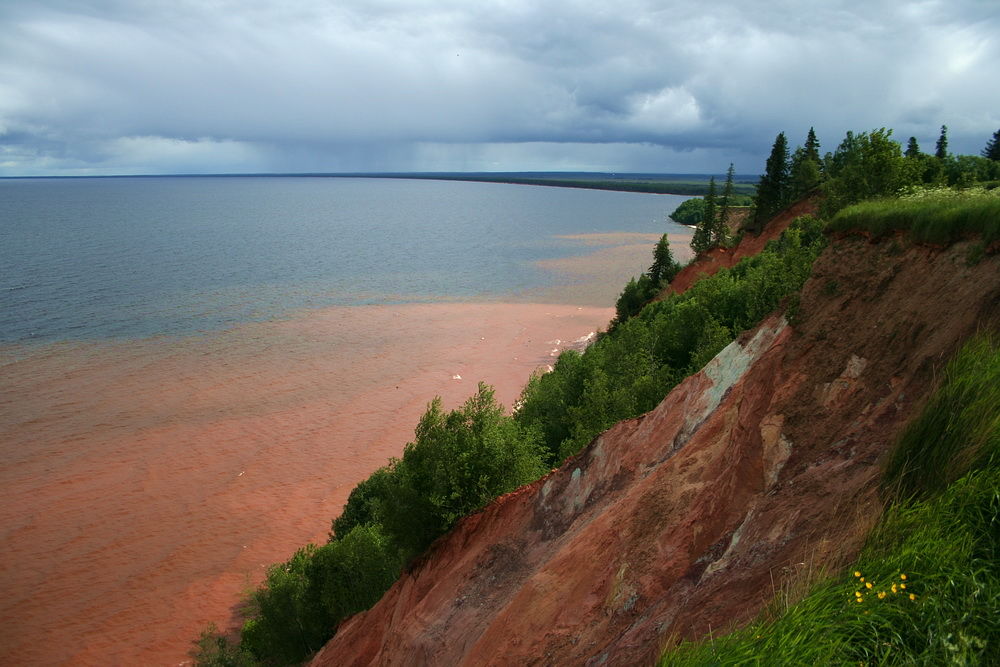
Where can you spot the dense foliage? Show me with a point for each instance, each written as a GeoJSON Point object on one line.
{"type": "Point", "coordinates": [992, 149]}
{"type": "Point", "coordinates": [665, 268]}
{"type": "Point", "coordinates": [866, 166]}
{"type": "Point", "coordinates": [712, 229]}
{"type": "Point", "coordinates": [638, 292]}
{"type": "Point", "coordinates": [690, 212]}
{"type": "Point", "coordinates": [701, 240]}
{"type": "Point", "coordinates": [773, 191]}
{"type": "Point", "coordinates": [631, 369]}
{"type": "Point", "coordinates": [458, 462]}
{"type": "Point", "coordinates": [931, 586]}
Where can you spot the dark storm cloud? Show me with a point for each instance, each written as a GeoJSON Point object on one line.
{"type": "Point", "coordinates": [125, 86]}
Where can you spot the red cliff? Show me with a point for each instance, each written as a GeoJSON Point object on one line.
{"type": "Point", "coordinates": [747, 478]}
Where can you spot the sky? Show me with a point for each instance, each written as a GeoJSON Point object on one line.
{"type": "Point", "coordinates": [681, 86]}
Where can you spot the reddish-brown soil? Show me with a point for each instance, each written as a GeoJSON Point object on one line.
{"type": "Point", "coordinates": [709, 263]}
{"type": "Point", "coordinates": [751, 475]}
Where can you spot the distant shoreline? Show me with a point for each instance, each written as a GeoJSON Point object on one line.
{"type": "Point", "coordinates": [672, 184]}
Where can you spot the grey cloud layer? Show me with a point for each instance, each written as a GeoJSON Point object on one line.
{"type": "Point", "coordinates": [387, 84]}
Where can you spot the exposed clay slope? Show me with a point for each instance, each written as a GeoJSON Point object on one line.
{"type": "Point", "coordinates": [710, 262]}
{"type": "Point", "coordinates": [685, 520]}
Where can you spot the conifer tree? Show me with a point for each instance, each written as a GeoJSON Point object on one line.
{"type": "Point", "coordinates": [941, 148]}
{"type": "Point", "coordinates": [711, 211]}
{"type": "Point", "coordinates": [812, 146]}
{"type": "Point", "coordinates": [805, 170]}
{"type": "Point", "coordinates": [912, 148]}
{"type": "Point", "coordinates": [992, 150]}
{"type": "Point", "coordinates": [720, 230]}
{"type": "Point", "coordinates": [772, 190]}
{"type": "Point", "coordinates": [701, 241]}
{"type": "Point", "coordinates": [665, 267]}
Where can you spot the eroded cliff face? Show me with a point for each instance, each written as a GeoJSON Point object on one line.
{"type": "Point", "coordinates": [710, 262]}
{"type": "Point", "coordinates": [750, 475]}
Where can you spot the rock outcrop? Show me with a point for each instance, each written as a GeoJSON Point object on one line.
{"type": "Point", "coordinates": [750, 477]}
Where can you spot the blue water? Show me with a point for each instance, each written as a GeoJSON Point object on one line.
{"type": "Point", "coordinates": [128, 257]}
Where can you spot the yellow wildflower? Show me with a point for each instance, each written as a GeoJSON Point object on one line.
{"type": "Point", "coordinates": [868, 585]}
{"type": "Point", "coordinates": [862, 578]}
{"type": "Point", "coordinates": [857, 574]}
{"type": "Point", "coordinates": [912, 596]}
{"type": "Point", "coordinates": [881, 595]}
{"type": "Point", "coordinates": [857, 594]}
{"type": "Point", "coordinates": [894, 588]}
{"type": "Point", "coordinates": [860, 600]}
{"type": "Point", "coordinates": [903, 577]}
{"type": "Point", "coordinates": [903, 586]}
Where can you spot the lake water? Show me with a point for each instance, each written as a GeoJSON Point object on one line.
{"type": "Point", "coordinates": [194, 372]}
{"type": "Point", "coordinates": [127, 257]}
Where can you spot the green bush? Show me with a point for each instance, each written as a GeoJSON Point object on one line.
{"type": "Point", "coordinates": [364, 502]}
{"type": "Point", "coordinates": [630, 370]}
{"type": "Point", "coordinates": [302, 601]}
{"type": "Point", "coordinates": [458, 462]}
{"type": "Point", "coordinates": [286, 620]}
{"type": "Point", "coordinates": [690, 212]}
{"type": "Point", "coordinates": [214, 649]}
{"type": "Point", "coordinates": [866, 166]}
{"type": "Point", "coordinates": [351, 574]}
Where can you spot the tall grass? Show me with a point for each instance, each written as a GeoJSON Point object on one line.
{"type": "Point", "coordinates": [958, 429]}
{"type": "Point", "coordinates": [926, 588]}
{"type": "Point", "coordinates": [933, 218]}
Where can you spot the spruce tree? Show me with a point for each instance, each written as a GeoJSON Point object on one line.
{"type": "Point", "coordinates": [992, 150]}
{"type": "Point", "coordinates": [720, 231]}
{"type": "Point", "coordinates": [912, 148]}
{"type": "Point", "coordinates": [665, 267]}
{"type": "Point", "coordinates": [772, 190]}
{"type": "Point", "coordinates": [812, 146]}
{"type": "Point", "coordinates": [941, 148]}
{"type": "Point", "coordinates": [711, 212]}
{"type": "Point", "coordinates": [702, 239]}
{"type": "Point", "coordinates": [804, 174]}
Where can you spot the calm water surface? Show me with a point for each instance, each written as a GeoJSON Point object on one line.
{"type": "Point", "coordinates": [126, 257]}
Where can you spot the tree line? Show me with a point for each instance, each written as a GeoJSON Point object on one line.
{"type": "Point", "coordinates": [864, 165]}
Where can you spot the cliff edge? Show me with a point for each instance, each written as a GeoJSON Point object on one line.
{"type": "Point", "coordinates": [687, 520]}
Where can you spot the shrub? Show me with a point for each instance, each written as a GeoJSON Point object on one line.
{"type": "Point", "coordinates": [458, 462]}
{"type": "Point", "coordinates": [630, 370]}
{"type": "Point", "coordinates": [690, 212]}
{"type": "Point", "coordinates": [866, 166]}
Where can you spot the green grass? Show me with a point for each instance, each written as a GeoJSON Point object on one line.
{"type": "Point", "coordinates": [940, 217]}
{"type": "Point", "coordinates": [947, 544]}
{"type": "Point", "coordinates": [959, 429]}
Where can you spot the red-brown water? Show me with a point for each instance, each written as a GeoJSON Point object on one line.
{"type": "Point", "coordinates": [148, 483]}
